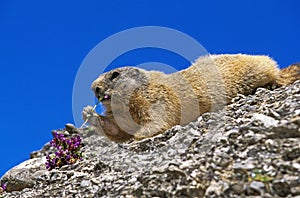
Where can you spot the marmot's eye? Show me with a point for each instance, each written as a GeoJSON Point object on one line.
{"type": "Point", "coordinates": [114, 75]}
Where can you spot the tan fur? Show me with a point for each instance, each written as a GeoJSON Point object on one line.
{"type": "Point", "coordinates": [146, 103]}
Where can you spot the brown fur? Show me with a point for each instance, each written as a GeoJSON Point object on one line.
{"type": "Point", "coordinates": [146, 103]}
{"type": "Point", "coordinates": [289, 75]}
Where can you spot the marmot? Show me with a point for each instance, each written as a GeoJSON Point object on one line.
{"type": "Point", "coordinates": [142, 103]}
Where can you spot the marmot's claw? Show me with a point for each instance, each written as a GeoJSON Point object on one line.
{"type": "Point", "coordinates": [90, 115]}
{"type": "Point", "coordinates": [87, 112]}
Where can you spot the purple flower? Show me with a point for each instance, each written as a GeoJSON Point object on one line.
{"type": "Point", "coordinates": [57, 153]}
{"type": "Point", "coordinates": [48, 166]}
{"type": "Point", "coordinates": [3, 186]}
{"type": "Point", "coordinates": [67, 151]}
{"type": "Point", "coordinates": [61, 137]}
{"type": "Point", "coordinates": [69, 142]}
{"type": "Point", "coordinates": [68, 157]}
{"type": "Point", "coordinates": [52, 143]}
{"type": "Point", "coordinates": [55, 134]}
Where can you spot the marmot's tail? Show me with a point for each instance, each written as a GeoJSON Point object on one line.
{"type": "Point", "coordinates": [289, 75]}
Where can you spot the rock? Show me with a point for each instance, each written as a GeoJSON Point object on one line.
{"type": "Point", "coordinates": [24, 175]}
{"type": "Point", "coordinates": [256, 187]}
{"type": "Point", "coordinates": [71, 128]}
{"type": "Point", "coordinates": [216, 188]}
{"type": "Point", "coordinates": [250, 148]}
{"type": "Point", "coordinates": [245, 165]}
{"type": "Point", "coordinates": [281, 188]}
{"type": "Point", "coordinates": [295, 190]}
{"type": "Point", "coordinates": [266, 120]}
{"type": "Point", "coordinates": [237, 188]}
{"type": "Point", "coordinates": [85, 183]}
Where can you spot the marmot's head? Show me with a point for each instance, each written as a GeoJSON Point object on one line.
{"type": "Point", "coordinates": [120, 82]}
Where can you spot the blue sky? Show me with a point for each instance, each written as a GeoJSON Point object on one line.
{"type": "Point", "coordinates": [42, 45]}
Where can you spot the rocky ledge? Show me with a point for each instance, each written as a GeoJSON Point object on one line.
{"type": "Point", "coordinates": [250, 148]}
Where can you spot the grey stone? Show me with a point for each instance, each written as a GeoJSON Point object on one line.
{"type": "Point", "coordinates": [238, 188]}
{"type": "Point", "coordinates": [281, 187]}
{"type": "Point", "coordinates": [24, 175]}
{"type": "Point", "coordinates": [250, 148]}
{"type": "Point", "coordinates": [266, 120]}
{"type": "Point", "coordinates": [257, 186]}
{"type": "Point", "coordinates": [85, 183]}
{"type": "Point", "coordinates": [295, 190]}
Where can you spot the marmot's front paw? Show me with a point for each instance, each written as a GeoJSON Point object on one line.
{"type": "Point", "coordinates": [90, 115]}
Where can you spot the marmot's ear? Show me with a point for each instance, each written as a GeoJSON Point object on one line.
{"type": "Point", "coordinates": [136, 71]}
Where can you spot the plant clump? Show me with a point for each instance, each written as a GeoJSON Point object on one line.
{"type": "Point", "coordinates": [67, 151]}
{"type": "Point", "coordinates": [2, 188]}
